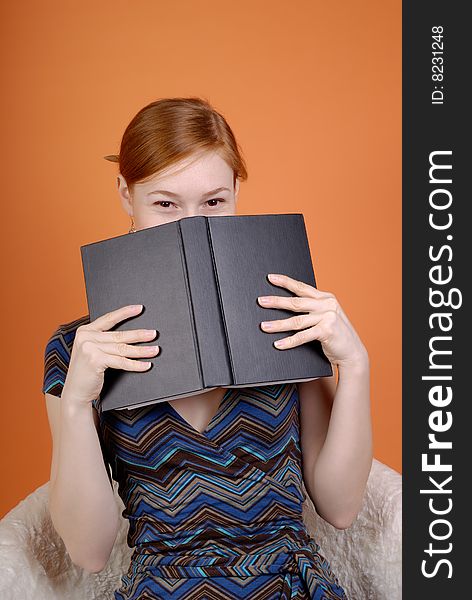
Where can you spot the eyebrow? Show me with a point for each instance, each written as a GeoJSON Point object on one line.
{"type": "Point", "coordinates": [174, 195]}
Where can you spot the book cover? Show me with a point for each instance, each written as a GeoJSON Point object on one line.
{"type": "Point", "coordinates": [199, 278]}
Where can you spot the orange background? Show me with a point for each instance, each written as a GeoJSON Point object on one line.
{"type": "Point", "coordinates": [312, 91]}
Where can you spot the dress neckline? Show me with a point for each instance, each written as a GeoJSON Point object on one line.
{"type": "Point", "coordinates": [210, 423]}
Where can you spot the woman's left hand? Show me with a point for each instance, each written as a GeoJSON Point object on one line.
{"type": "Point", "coordinates": [323, 319]}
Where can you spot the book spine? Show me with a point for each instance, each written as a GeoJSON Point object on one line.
{"type": "Point", "coordinates": [209, 323]}
{"type": "Point", "coordinates": [190, 301]}
{"type": "Point", "coordinates": [220, 302]}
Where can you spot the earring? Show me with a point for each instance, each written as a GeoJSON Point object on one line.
{"type": "Point", "coordinates": [132, 229]}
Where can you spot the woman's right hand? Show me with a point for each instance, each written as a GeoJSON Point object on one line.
{"type": "Point", "coordinates": [95, 348]}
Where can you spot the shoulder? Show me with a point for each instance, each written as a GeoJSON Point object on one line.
{"type": "Point", "coordinates": [64, 334]}
{"type": "Point", "coordinates": [57, 354]}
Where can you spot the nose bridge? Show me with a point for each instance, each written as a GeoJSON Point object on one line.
{"type": "Point", "coordinates": [190, 211]}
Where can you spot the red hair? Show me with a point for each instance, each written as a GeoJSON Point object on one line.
{"type": "Point", "coordinates": [171, 129]}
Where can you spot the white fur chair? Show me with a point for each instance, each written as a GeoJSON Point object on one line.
{"type": "Point", "coordinates": [366, 558]}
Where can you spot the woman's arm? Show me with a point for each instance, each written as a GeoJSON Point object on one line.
{"type": "Point", "coordinates": [81, 500]}
{"type": "Point", "coordinates": [335, 420]}
{"type": "Point", "coordinates": [336, 441]}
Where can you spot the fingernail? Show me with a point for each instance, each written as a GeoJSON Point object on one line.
{"type": "Point", "coordinates": [263, 299]}
{"type": "Point", "coordinates": [274, 277]}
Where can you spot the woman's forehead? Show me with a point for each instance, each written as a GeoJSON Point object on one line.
{"type": "Point", "coordinates": [200, 174]}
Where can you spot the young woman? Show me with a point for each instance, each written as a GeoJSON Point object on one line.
{"type": "Point", "coordinates": [212, 484]}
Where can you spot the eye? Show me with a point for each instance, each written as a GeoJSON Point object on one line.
{"type": "Point", "coordinates": [167, 203]}
{"type": "Point", "coordinates": [221, 200]}
{"type": "Point", "coordinates": [162, 202]}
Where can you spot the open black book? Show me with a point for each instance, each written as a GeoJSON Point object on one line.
{"type": "Point", "coordinates": [199, 278]}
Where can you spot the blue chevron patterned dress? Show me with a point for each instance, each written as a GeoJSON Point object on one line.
{"type": "Point", "coordinates": [212, 515]}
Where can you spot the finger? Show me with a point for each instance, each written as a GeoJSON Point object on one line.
{"type": "Point", "coordinates": [298, 303]}
{"type": "Point", "coordinates": [127, 336]}
{"type": "Point", "coordinates": [127, 350]}
{"type": "Point", "coordinates": [122, 362]}
{"type": "Point", "coordinates": [296, 286]}
{"type": "Point", "coordinates": [299, 338]}
{"type": "Point", "coordinates": [294, 303]}
{"type": "Point", "coordinates": [109, 319]}
{"type": "Point", "coordinates": [292, 323]}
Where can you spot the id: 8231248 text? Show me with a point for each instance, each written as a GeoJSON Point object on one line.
{"type": "Point", "coordinates": [437, 66]}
